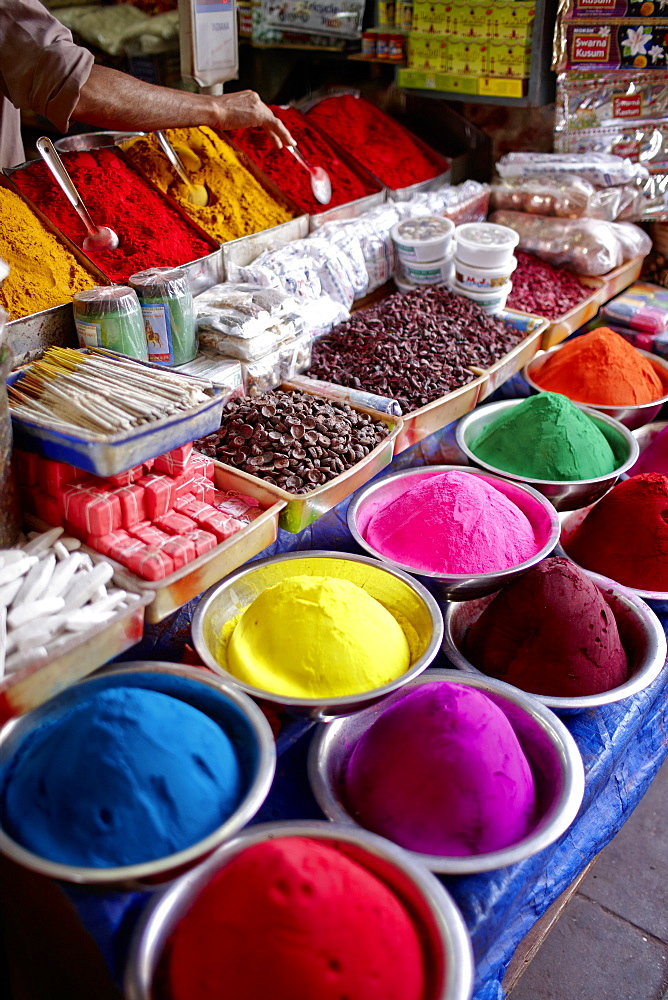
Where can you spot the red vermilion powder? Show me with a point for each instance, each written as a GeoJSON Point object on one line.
{"type": "Point", "coordinates": [379, 142]}
{"type": "Point", "coordinates": [289, 176]}
{"type": "Point", "coordinates": [625, 535]}
{"type": "Point", "coordinates": [601, 368]}
{"type": "Point", "coordinates": [151, 233]}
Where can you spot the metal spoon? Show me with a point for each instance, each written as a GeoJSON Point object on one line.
{"type": "Point", "coordinates": [99, 237]}
{"type": "Point", "coordinates": [197, 193]}
{"type": "Point", "coordinates": [321, 185]}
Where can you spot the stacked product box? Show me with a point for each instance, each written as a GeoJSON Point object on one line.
{"type": "Point", "coordinates": [470, 47]}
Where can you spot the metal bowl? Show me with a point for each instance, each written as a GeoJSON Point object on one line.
{"type": "Point", "coordinates": [566, 494]}
{"type": "Point", "coordinates": [642, 636]}
{"type": "Point", "coordinates": [631, 416]}
{"type": "Point", "coordinates": [241, 719]}
{"type": "Point", "coordinates": [91, 140]}
{"type": "Point", "coordinates": [456, 587]}
{"type": "Point", "coordinates": [445, 940]}
{"type": "Point", "coordinates": [551, 750]}
{"type": "Point", "coordinates": [397, 591]}
{"type": "Point", "coordinates": [645, 436]}
{"type": "Point", "coordinates": [657, 599]}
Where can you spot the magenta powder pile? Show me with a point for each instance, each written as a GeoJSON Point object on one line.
{"type": "Point", "coordinates": [452, 523]}
{"type": "Point", "coordinates": [441, 771]}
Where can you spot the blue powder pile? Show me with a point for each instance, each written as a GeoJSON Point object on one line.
{"type": "Point", "coordinates": [127, 776]}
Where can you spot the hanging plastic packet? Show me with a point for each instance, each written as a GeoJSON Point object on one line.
{"type": "Point", "coordinates": [167, 309]}
{"type": "Point", "coordinates": [111, 318]}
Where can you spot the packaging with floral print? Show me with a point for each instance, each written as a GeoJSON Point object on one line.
{"type": "Point", "coordinates": [613, 43]}
{"type": "Point", "coordinates": [613, 8]}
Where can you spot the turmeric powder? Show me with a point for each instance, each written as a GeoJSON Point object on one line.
{"type": "Point", "coordinates": [238, 204]}
{"type": "Point", "coordinates": [43, 272]}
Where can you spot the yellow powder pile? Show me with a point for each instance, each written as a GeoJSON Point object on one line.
{"type": "Point", "coordinates": [238, 204]}
{"type": "Point", "coordinates": [317, 637]}
{"type": "Point", "coordinates": [43, 272]}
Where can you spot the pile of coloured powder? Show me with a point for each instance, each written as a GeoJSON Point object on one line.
{"type": "Point", "coordinates": [294, 917]}
{"type": "Point", "coordinates": [311, 637]}
{"type": "Point", "coordinates": [126, 776]}
{"type": "Point", "coordinates": [545, 290]}
{"type": "Point", "coordinates": [238, 204]}
{"type": "Point", "coordinates": [293, 179]}
{"type": "Point", "coordinates": [603, 369]}
{"type": "Point", "coordinates": [452, 523]}
{"type": "Point", "coordinates": [43, 273]}
{"type": "Point", "coordinates": [551, 632]}
{"type": "Point", "coordinates": [376, 140]}
{"type": "Point", "coordinates": [150, 230]}
{"type": "Point", "coordinates": [441, 771]}
{"type": "Point", "coordinates": [625, 535]}
{"type": "Point", "coordinates": [546, 437]}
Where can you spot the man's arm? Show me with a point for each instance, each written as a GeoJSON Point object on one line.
{"type": "Point", "coordinates": [111, 99]}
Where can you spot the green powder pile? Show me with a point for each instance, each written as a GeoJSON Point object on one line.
{"type": "Point", "coordinates": [546, 437]}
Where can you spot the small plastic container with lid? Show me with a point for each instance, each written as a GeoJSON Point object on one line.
{"type": "Point", "coordinates": [425, 238]}
{"type": "Point", "coordinates": [430, 272]}
{"type": "Point", "coordinates": [485, 244]}
{"type": "Point", "coordinates": [482, 278]}
{"type": "Point", "coordinates": [111, 318]}
{"type": "Point", "coordinates": [168, 314]}
{"type": "Point", "coordinates": [492, 300]}
{"type": "Point", "coordinates": [369, 44]}
{"type": "Point", "coordinates": [382, 47]}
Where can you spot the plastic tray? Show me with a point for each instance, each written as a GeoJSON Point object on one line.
{"type": "Point", "coordinates": [515, 360]}
{"type": "Point", "coordinates": [419, 424]}
{"type": "Point", "coordinates": [300, 511]}
{"type": "Point", "coordinates": [619, 279]}
{"type": "Point", "coordinates": [203, 272]}
{"type": "Point", "coordinates": [124, 449]}
{"type": "Point", "coordinates": [193, 579]}
{"type": "Point", "coordinates": [34, 684]}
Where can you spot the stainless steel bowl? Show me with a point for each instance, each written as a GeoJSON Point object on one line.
{"type": "Point", "coordinates": [645, 436]}
{"type": "Point", "coordinates": [642, 636]}
{"type": "Point", "coordinates": [445, 939]}
{"type": "Point", "coordinates": [91, 140]}
{"type": "Point", "coordinates": [551, 750]}
{"type": "Point", "coordinates": [397, 591]}
{"type": "Point", "coordinates": [657, 599]}
{"type": "Point", "coordinates": [456, 587]}
{"type": "Point", "coordinates": [242, 720]}
{"type": "Point", "coordinates": [631, 416]}
{"type": "Point", "coordinates": [563, 494]}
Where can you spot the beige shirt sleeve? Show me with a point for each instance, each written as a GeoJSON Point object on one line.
{"type": "Point", "coordinates": [41, 69]}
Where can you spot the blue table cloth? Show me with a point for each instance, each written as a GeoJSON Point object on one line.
{"type": "Point", "coordinates": [622, 745]}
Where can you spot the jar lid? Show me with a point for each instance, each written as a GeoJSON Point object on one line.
{"type": "Point", "coordinates": [160, 282]}
{"type": "Point", "coordinates": [102, 300]}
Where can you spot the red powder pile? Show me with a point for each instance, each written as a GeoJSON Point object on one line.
{"type": "Point", "coordinates": [625, 535]}
{"type": "Point", "coordinates": [603, 369]}
{"type": "Point", "coordinates": [151, 233]}
{"type": "Point", "coordinates": [380, 143]}
{"type": "Point", "coordinates": [551, 632]}
{"type": "Point", "coordinates": [294, 918]}
{"type": "Point", "coordinates": [542, 289]}
{"type": "Point", "coordinates": [289, 176]}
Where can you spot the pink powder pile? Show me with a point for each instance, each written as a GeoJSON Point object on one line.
{"type": "Point", "coordinates": [453, 523]}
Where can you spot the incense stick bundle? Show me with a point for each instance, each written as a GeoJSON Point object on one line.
{"type": "Point", "coordinates": [99, 392]}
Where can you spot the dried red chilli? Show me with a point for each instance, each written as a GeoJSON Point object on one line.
{"type": "Point", "coordinates": [544, 290]}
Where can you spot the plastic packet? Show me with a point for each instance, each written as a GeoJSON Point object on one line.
{"type": "Point", "coordinates": [346, 238]}
{"type": "Point", "coordinates": [289, 267]}
{"type": "Point", "coordinates": [319, 316]}
{"type": "Point", "coordinates": [296, 356]}
{"type": "Point", "coordinates": [585, 246]}
{"type": "Point", "coordinates": [562, 195]}
{"type": "Point", "coordinates": [642, 307]}
{"type": "Point", "coordinates": [221, 371]}
{"type": "Point", "coordinates": [262, 375]}
{"type": "Point", "coordinates": [339, 276]}
{"type": "Point", "coordinates": [242, 348]}
{"type": "Point", "coordinates": [601, 169]}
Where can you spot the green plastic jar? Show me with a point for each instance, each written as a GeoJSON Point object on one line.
{"type": "Point", "coordinates": [169, 316]}
{"type": "Point", "coordinates": [111, 318]}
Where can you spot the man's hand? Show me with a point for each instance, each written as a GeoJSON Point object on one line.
{"type": "Point", "coordinates": [246, 110]}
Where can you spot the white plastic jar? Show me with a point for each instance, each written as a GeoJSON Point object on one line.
{"type": "Point", "coordinates": [492, 300]}
{"type": "Point", "coordinates": [485, 244]}
{"type": "Point", "coordinates": [484, 277]}
{"type": "Point", "coordinates": [425, 238]}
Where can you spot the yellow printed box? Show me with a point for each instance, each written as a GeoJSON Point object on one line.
{"type": "Point", "coordinates": [432, 18]}
{"type": "Point", "coordinates": [467, 57]}
{"type": "Point", "coordinates": [492, 87]}
{"type": "Point", "coordinates": [428, 53]}
{"type": "Point", "coordinates": [437, 81]}
{"type": "Point", "coordinates": [511, 21]}
{"type": "Point", "coordinates": [506, 60]}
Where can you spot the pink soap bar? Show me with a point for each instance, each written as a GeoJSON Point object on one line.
{"type": "Point", "coordinates": [148, 533]}
{"type": "Point", "coordinates": [91, 510]}
{"type": "Point", "coordinates": [222, 525]}
{"type": "Point", "coordinates": [105, 543]}
{"type": "Point", "coordinates": [180, 550]}
{"type": "Point", "coordinates": [124, 549]}
{"type": "Point", "coordinates": [202, 465]}
{"type": "Point", "coordinates": [148, 464]}
{"type": "Point", "coordinates": [174, 462]}
{"type": "Point", "coordinates": [48, 509]}
{"type": "Point", "coordinates": [53, 476]}
{"type": "Point", "coordinates": [244, 508]}
{"type": "Point", "coordinates": [182, 502]}
{"type": "Point", "coordinates": [26, 466]}
{"type": "Point", "coordinates": [133, 504]}
{"type": "Point", "coordinates": [176, 524]}
{"type": "Point", "coordinates": [159, 494]}
{"type": "Point", "coordinates": [204, 541]}
{"type": "Point", "coordinates": [124, 478]}
{"type": "Point", "coordinates": [183, 483]}
{"type": "Point", "coordinates": [151, 564]}
{"type": "Point", "coordinates": [203, 489]}
{"type": "Point", "coordinates": [195, 509]}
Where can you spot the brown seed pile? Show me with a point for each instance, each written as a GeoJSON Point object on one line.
{"type": "Point", "coordinates": [291, 439]}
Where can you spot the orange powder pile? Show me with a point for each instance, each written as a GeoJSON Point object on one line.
{"type": "Point", "coordinates": [603, 369]}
